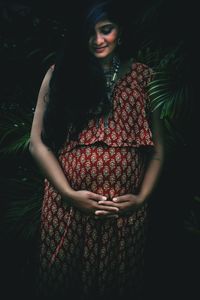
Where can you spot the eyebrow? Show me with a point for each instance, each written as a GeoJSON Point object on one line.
{"type": "Point", "coordinates": [106, 24]}
{"type": "Point", "coordinates": [110, 24]}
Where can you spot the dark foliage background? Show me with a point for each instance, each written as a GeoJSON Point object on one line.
{"type": "Point", "coordinates": [31, 32]}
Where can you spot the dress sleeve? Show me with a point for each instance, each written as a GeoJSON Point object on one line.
{"type": "Point", "coordinates": [147, 76]}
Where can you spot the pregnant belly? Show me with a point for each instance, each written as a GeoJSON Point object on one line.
{"type": "Point", "coordinates": [102, 169]}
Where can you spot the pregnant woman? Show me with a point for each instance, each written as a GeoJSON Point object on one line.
{"type": "Point", "coordinates": [100, 149]}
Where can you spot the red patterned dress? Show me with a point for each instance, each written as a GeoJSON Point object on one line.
{"type": "Point", "coordinates": [83, 256]}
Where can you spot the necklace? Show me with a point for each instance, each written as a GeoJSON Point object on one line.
{"type": "Point", "coordinates": [111, 75]}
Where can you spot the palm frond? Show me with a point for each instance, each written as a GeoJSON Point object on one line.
{"type": "Point", "coordinates": [168, 91]}
{"type": "Point", "coordinates": [20, 144]}
{"type": "Point", "coordinates": [148, 56]}
{"type": "Point", "coordinates": [22, 216]}
{"type": "Point", "coordinates": [173, 133]}
{"type": "Point", "coordinates": [48, 57]}
{"type": "Point", "coordinates": [33, 52]}
{"type": "Point", "coordinates": [15, 131]}
{"type": "Point", "coordinates": [173, 99]}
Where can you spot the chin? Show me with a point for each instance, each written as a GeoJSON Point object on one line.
{"type": "Point", "coordinates": [101, 55]}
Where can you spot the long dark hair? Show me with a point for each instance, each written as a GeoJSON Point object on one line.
{"type": "Point", "coordinates": [77, 89]}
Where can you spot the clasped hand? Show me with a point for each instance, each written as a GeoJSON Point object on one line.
{"type": "Point", "coordinates": [91, 203]}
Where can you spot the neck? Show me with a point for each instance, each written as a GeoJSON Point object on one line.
{"type": "Point", "coordinates": [111, 72]}
{"type": "Point", "coordinates": [107, 62]}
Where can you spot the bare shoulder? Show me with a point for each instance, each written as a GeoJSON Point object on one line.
{"type": "Point", "coordinates": [43, 96]}
{"type": "Point", "coordinates": [44, 88]}
{"type": "Point", "coordinates": [48, 75]}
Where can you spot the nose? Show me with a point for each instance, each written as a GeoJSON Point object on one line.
{"type": "Point", "coordinates": [98, 39]}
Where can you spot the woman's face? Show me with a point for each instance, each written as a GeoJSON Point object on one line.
{"type": "Point", "coordinates": [104, 40]}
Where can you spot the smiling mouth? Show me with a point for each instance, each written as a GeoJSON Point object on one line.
{"type": "Point", "coordinates": [100, 49]}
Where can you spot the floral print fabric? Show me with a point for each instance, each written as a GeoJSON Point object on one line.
{"type": "Point", "coordinates": [90, 257]}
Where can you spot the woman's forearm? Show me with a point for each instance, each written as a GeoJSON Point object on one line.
{"type": "Point", "coordinates": [156, 160]}
{"type": "Point", "coordinates": [50, 167]}
{"type": "Point", "coordinates": [152, 174]}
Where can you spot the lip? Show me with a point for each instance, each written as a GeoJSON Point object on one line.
{"type": "Point", "coordinates": [100, 49]}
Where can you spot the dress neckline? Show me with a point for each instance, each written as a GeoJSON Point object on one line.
{"type": "Point", "coordinates": [128, 69]}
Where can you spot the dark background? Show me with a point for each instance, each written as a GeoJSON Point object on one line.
{"type": "Point", "coordinates": [31, 31]}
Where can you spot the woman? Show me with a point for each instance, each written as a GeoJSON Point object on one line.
{"type": "Point", "coordinates": [101, 153]}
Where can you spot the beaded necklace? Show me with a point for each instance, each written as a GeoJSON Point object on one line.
{"type": "Point", "coordinates": [111, 76]}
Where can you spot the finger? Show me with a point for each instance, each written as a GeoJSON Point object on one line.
{"type": "Point", "coordinates": [104, 213]}
{"type": "Point", "coordinates": [120, 199]}
{"type": "Point", "coordinates": [97, 197]}
{"type": "Point", "coordinates": [108, 208]}
{"type": "Point", "coordinates": [101, 212]}
{"type": "Point", "coordinates": [119, 205]}
{"type": "Point", "coordinates": [108, 203]}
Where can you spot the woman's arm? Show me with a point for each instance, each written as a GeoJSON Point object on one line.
{"type": "Point", "coordinates": [156, 160]}
{"type": "Point", "coordinates": [129, 202]}
{"type": "Point", "coordinates": [49, 164]}
{"type": "Point", "coordinates": [42, 154]}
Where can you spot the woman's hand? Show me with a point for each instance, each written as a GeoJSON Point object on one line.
{"type": "Point", "coordinates": [126, 204]}
{"type": "Point", "coordinates": [89, 203]}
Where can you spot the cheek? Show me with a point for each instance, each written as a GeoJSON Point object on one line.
{"type": "Point", "coordinates": [112, 38]}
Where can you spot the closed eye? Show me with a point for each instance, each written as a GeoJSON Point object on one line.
{"type": "Point", "coordinates": [106, 29]}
